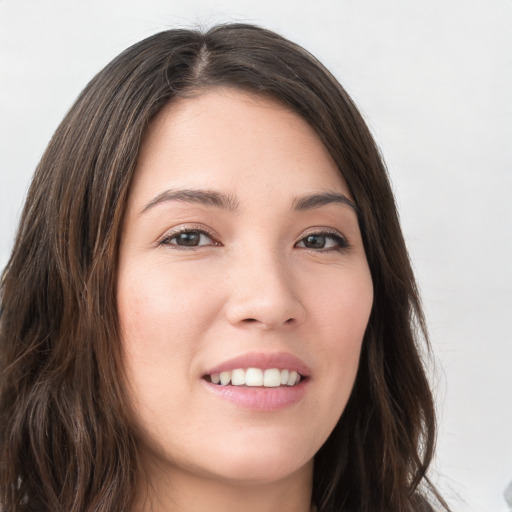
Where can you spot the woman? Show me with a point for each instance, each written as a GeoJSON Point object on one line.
{"type": "Point", "coordinates": [209, 304]}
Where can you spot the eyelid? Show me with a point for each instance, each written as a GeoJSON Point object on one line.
{"type": "Point", "coordinates": [199, 228]}
{"type": "Point", "coordinates": [185, 228]}
{"type": "Point", "coordinates": [322, 231]}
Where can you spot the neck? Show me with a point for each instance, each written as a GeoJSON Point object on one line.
{"type": "Point", "coordinates": [181, 491]}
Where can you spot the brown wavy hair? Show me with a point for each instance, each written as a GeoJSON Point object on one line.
{"type": "Point", "coordinates": [66, 443]}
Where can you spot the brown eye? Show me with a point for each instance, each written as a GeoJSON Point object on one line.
{"type": "Point", "coordinates": [190, 238]}
{"type": "Point", "coordinates": [325, 241]}
{"type": "Point", "coordinates": [315, 241]}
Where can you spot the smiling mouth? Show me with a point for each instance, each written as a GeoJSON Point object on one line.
{"type": "Point", "coordinates": [256, 378]}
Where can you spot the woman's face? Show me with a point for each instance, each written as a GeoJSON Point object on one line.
{"type": "Point", "coordinates": [241, 258]}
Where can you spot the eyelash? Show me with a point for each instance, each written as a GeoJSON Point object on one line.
{"type": "Point", "coordinates": [341, 242]}
{"type": "Point", "coordinates": [166, 240]}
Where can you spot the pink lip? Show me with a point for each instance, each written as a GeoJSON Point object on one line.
{"type": "Point", "coordinates": [279, 360]}
{"type": "Point", "coordinates": [261, 399]}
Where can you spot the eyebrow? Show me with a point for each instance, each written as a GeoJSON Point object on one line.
{"type": "Point", "coordinates": [228, 202]}
{"type": "Point", "coordinates": [312, 201]}
{"type": "Point", "coordinates": [204, 197]}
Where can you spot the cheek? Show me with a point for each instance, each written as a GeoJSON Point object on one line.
{"type": "Point", "coordinates": [343, 309]}
{"type": "Point", "coordinates": [160, 310]}
{"type": "Point", "coordinates": [342, 317]}
{"type": "Point", "coordinates": [160, 331]}
{"type": "Point", "coordinates": [161, 321]}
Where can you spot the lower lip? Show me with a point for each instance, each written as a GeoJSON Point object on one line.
{"type": "Point", "coordinates": [260, 399]}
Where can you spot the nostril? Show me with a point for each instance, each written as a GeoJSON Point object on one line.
{"type": "Point", "coordinates": [290, 321]}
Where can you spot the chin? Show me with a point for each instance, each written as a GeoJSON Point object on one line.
{"type": "Point", "coordinates": [236, 462]}
{"type": "Point", "coordinates": [261, 470]}
{"type": "Point", "coordinates": [262, 455]}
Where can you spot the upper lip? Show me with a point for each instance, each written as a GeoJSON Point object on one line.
{"type": "Point", "coordinates": [264, 361]}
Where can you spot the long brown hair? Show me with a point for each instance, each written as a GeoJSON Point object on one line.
{"type": "Point", "coordinates": [65, 440]}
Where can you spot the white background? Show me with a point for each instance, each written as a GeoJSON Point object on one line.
{"type": "Point", "coordinates": [433, 78]}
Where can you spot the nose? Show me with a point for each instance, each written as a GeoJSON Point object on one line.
{"type": "Point", "coordinates": [263, 293]}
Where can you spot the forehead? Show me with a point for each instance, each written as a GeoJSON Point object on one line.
{"type": "Point", "coordinates": [233, 139]}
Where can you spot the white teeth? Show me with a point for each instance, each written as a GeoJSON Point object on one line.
{"type": "Point", "coordinates": [272, 378]}
{"type": "Point", "coordinates": [238, 377]}
{"type": "Point", "coordinates": [225, 377]}
{"type": "Point", "coordinates": [255, 377]}
{"type": "Point", "coordinates": [292, 378]}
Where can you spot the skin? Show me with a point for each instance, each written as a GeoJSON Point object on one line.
{"type": "Point", "coordinates": [253, 284]}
